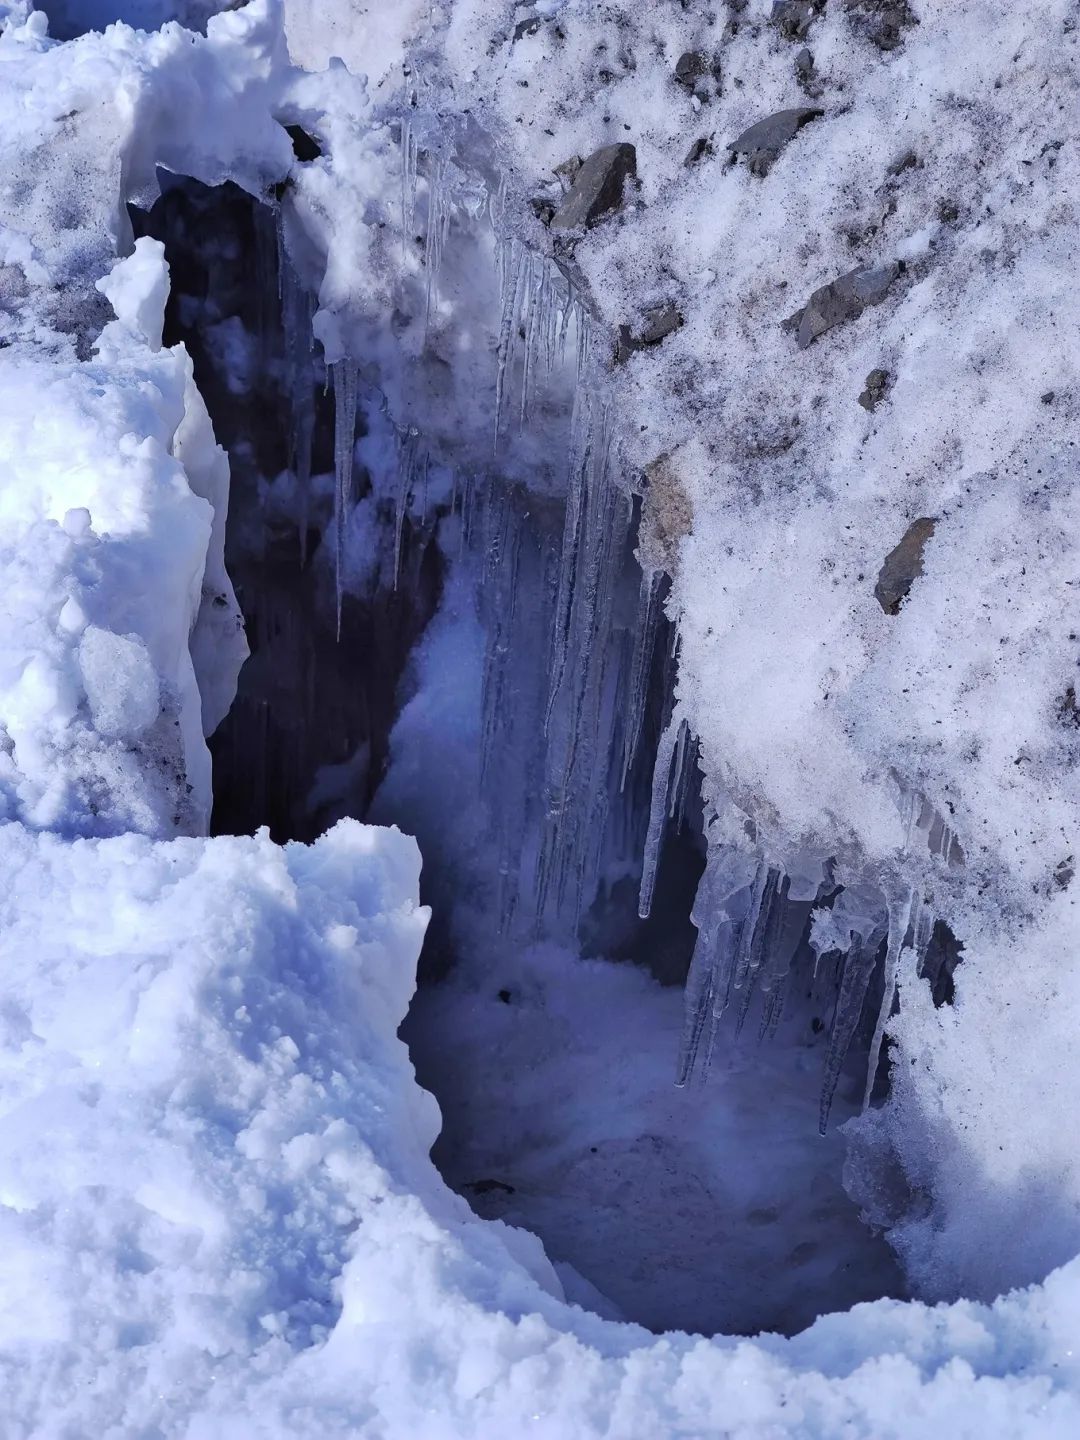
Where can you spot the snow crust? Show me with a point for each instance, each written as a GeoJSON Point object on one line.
{"type": "Point", "coordinates": [220, 1216]}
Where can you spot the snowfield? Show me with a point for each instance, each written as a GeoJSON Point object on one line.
{"type": "Point", "coordinates": [218, 1212]}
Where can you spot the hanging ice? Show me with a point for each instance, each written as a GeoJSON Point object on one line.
{"type": "Point", "coordinates": [344, 376]}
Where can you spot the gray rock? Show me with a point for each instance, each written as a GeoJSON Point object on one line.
{"type": "Point", "coordinates": [690, 68]}
{"type": "Point", "coordinates": [762, 143]}
{"type": "Point", "coordinates": [699, 149]}
{"type": "Point", "coordinates": [881, 21]}
{"type": "Point", "coordinates": [597, 188]}
{"type": "Point", "coordinates": [902, 565]}
{"type": "Point", "coordinates": [660, 322]}
{"type": "Point", "coordinates": [877, 387]}
{"type": "Point", "coordinates": [567, 172]}
{"type": "Point", "coordinates": [793, 18]}
{"type": "Point", "coordinates": [841, 300]}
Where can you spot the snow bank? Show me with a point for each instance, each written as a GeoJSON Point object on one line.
{"type": "Point", "coordinates": [219, 1217]}
{"type": "Point", "coordinates": [218, 1211]}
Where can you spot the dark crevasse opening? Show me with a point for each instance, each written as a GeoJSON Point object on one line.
{"type": "Point", "coordinates": [549, 1015]}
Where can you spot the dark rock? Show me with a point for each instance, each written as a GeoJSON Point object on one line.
{"type": "Point", "coordinates": [505, 996]}
{"type": "Point", "coordinates": [567, 171]}
{"type": "Point", "coordinates": [907, 161]}
{"type": "Point", "coordinates": [660, 322]}
{"type": "Point", "coordinates": [903, 565]}
{"type": "Point", "coordinates": [877, 387]}
{"type": "Point", "coordinates": [305, 147]}
{"type": "Point", "coordinates": [948, 212]}
{"type": "Point", "coordinates": [762, 143]}
{"type": "Point", "coordinates": [598, 187]}
{"type": "Point", "coordinates": [881, 21]}
{"type": "Point", "coordinates": [841, 300]}
{"type": "Point", "coordinates": [690, 68]}
{"type": "Point", "coordinates": [1068, 709]}
{"type": "Point", "coordinates": [485, 1187]}
{"type": "Point", "coordinates": [528, 26]}
{"type": "Point", "coordinates": [793, 18]}
{"type": "Point", "coordinates": [701, 147]}
{"type": "Point", "coordinates": [1047, 397]}
{"type": "Point", "coordinates": [806, 75]}
{"type": "Point", "coordinates": [1064, 873]}
{"type": "Point", "coordinates": [698, 74]}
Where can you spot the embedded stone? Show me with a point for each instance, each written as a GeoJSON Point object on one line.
{"type": "Point", "coordinates": [762, 142]}
{"type": "Point", "coordinates": [903, 565]}
{"type": "Point", "coordinates": [659, 323]}
{"type": "Point", "coordinates": [597, 188]}
{"type": "Point", "coordinates": [877, 387]}
{"type": "Point", "coordinates": [793, 18]}
{"type": "Point", "coordinates": [842, 300]}
{"type": "Point", "coordinates": [882, 22]}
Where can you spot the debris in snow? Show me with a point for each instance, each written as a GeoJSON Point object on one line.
{"type": "Point", "coordinates": [842, 300]}
{"type": "Point", "coordinates": [658, 325]}
{"type": "Point", "coordinates": [696, 73]}
{"type": "Point", "coordinates": [598, 187]}
{"type": "Point", "coordinates": [762, 142]}
{"type": "Point", "coordinates": [806, 75]}
{"type": "Point", "coordinates": [881, 21]}
{"type": "Point", "coordinates": [701, 147]}
{"type": "Point", "coordinates": [877, 387]}
{"type": "Point", "coordinates": [903, 565]}
{"type": "Point", "coordinates": [793, 18]}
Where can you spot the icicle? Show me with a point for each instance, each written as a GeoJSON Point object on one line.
{"type": "Point", "coordinates": [409, 158]}
{"type": "Point", "coordinates": [344, 373]}
{"type": "Point", "coordinates": [511, 298]}
{"type": "Point", "coordinates": [658, 810]}
{"type": "Point", "coordinates": [900, 903]}
{"type": "Point", "coordinates": [648, 614]}
{"type": "Point", "coordinates": [407, 464]}
{"type": "Point", "coordinates": [437, 221]}
{"type": "Point", "coordinates": [858, 966]}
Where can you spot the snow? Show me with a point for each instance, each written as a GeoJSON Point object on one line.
{"type": "Point", "coordinates": [219, 1215]}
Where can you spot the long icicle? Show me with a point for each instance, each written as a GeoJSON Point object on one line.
{"type": "Point", "coordinates": [658, 811]}
{"type": "Point", "coordinates": [344, 375]}
{"type": "Point", "coordinates": [900, 903]}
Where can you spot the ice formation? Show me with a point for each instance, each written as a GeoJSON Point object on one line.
{"type": "Point", "coordinates": [643, 557]}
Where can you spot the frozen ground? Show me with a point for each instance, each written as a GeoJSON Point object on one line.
{"type": "Point", "coordinates": [219, 1214]}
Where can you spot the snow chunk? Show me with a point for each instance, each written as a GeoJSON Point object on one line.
{"type": "Point", "coordinates": [121, 683]}
{"type": "Point", "coordinates": [137, 288]}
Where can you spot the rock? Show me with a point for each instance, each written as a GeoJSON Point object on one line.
{"type": "Point", "coordinates": [698, 150]}
{"type": "Point", "coordinates": [902, 565]}
{"type": "Point", "coordinates": [883, 22]}
{"type": "Point", "coordinates": [841, 300]}
{"type": "Point", "coordinates": [660, 322]}
{"type": "Point", "coordinates": [667, 514]}
{"type": "Point", "coordinates": [877, 387]}
{"type": "Point", "coordinates": [305, 147]}
{"type": "Point", "coordinates": [698, 74]}
{"type": "Point", "coordinates": [567, 172]}
{"type": "Point", "coordinates": [805, 73]}
{"type": "Point", "coordinates": [762, 143]}
{"type": "Point", "coordinates": [597, 188]}
{"type": "Point", "coordinates": [690, 67]}
{"type": "Point", "coordinates": [907, 161]}
{"type": "Point", "coordinates": [793, 18]}
{"type": "Point", "coordinates": [528, 26]}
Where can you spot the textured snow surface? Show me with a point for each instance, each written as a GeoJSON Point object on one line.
{"type": "Point", "coordinates": [219, 1216]}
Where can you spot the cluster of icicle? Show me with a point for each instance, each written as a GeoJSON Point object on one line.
{"type": "Point", "coordinates": [752, 919]}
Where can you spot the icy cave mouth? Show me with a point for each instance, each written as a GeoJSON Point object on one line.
{"type": "Point", "coordinates": [714, 1208]}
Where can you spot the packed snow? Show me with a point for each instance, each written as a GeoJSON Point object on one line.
{"type": "Point", "coordinates": [769, 360]}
